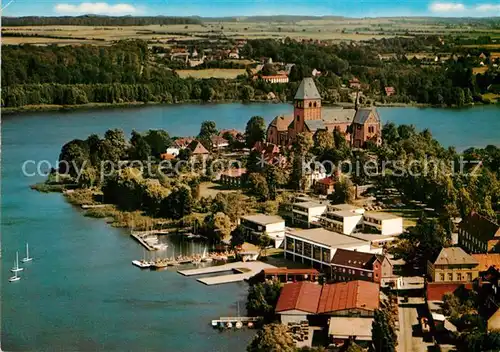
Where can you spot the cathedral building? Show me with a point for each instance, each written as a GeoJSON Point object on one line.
{"type": "Point", "coordinates": [358, 125]}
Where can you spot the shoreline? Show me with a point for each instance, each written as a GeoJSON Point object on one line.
{"type": "Point", "coordinates": [95, 106]}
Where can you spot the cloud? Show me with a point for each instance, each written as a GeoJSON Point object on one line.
{"type": "Point", "coordinates": [488, 8]}
{"type": "Point", "coordinates": [454, 8]}
{"type": "Point", "coordinates": [96, 8]}
{"type": "Point", "coordinates": [446, 7]}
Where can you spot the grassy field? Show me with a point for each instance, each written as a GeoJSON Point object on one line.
{"type": "Point", "coordinates": [341, 29]}
{"type": "Point", "coordinates": [494, 98]}
{"type": "Point", "coordinates": [210, 189]}
{"type": "Point", "coordinates": [225, 73]}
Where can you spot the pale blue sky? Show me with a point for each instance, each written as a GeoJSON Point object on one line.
{"type": "Point", "coordinates": [205, 8]}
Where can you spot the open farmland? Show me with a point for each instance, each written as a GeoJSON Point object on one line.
{"type": "Point", "coordinates": [332, 29]}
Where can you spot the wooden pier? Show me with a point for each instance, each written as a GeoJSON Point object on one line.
{"type": "Point", "coordinates": [240, 271]}
{"type": "Point", "coordinates": [141, 241]}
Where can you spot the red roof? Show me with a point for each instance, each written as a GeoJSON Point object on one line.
{"type": "Point", "coordinates": [301, 296]}
{"type": "Point", "coordinates": [234, 172]}
{"type": "Point", "coordinates": [182, 142]}
{"type": "Point", "coordinates": [167, 156]}
{"type": "Point", "coordinates": [349, 295]}
{"type": "Point", "coordinates": [327, 181]}
{"type": "Point", "coordinates": [197, 148]}
{"type": "Point", "coordinates": [436, 290]}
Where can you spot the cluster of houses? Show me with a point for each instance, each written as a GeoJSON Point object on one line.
{"type": "Point", "coordinates": [194, 58]}
{"type": "Point", "coordinates": [344, 244]}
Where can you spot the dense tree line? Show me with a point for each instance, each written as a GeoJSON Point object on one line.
{"type": "Point", "coordinates": [91, 20]}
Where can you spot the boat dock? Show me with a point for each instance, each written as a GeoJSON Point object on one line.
{"type": "Point", "coordinates": [241, 271]}
{"type": "Point", "coordinates": [143, 242]}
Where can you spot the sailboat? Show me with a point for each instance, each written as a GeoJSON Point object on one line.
{"type": "Point", "coordinates": [14, 278]}
{"type": "Point", "coordinates": [143, 264]}
{"type": "Point", "coordinates": [27, 258]}
{"type": "Point", "coordinates": [238, 324]}
{"type": "Point", "coordinates": [16, 267]}
{"type": "Point", "coordinates": [204, 257]}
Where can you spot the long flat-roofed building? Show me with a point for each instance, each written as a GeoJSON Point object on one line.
{"type": "Point", "coordinates": [317, 246]}
{"type": "Point", "coordinates": [259, 224]}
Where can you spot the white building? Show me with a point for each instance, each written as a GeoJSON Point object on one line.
{"type": "Point", "coordinates": [317, 246]}
{"type": "Point", "coordinates": [307, 213]}
{"type": "Point", "coordinates": [173, 151]}
{"type": "Point", "coordinates": [343, 218]}
{"type": "Point", "coordinates": [273, 225]}
{"type": "Point", "coordinates": [382, 223]}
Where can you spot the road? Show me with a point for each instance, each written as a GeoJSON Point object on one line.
{"type": "Point", "coordinates": [408, 317]}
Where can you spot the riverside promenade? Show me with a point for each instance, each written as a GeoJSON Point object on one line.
{"type": "Point", "coordinates": [240, 271]}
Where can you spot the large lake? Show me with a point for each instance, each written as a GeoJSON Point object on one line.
{"type": "Point", "coordinates": [81, 293]}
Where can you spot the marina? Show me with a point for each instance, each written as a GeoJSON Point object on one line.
{"type": "Point", "coordinates": [237, 322]}
{"type": "Point", "coordinates": [241, 271]}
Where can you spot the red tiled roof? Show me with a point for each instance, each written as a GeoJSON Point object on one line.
{"type": "Point", "coordinates": [301, 296]}
{"type": "Point", "coordinates": [389, 90]}
{"type": "Point", "coordinates": [231, 131]}
{"type": "Point", "coordinates": [275, 76]}
{"type": "Point", "coordinates": [218, 140]}
{"type": "Point", "coordinates": [281, 122]}
{"type": "Point", "coordinates": [182, 142]}
{"type": "Point", "coordinates": [436, 290]}
{"type": "Point", "coordinates": [487, 260]}
{"type": "Point", "coordinates": [167, 156]}
{"type": "Point", "coordinates": [349, 295]}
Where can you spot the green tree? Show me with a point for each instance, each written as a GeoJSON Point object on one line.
{"type": "Point", "coordinates": [139, 147]}
{"type": "Point", "coordinates": [255, 131]}
{"type": "Point", "coordinates": [114, 145]}
{"type": "Point", "coordinates": [353, 347]}
{"type": "Point", "coordinates": [247, 93]}
{"type": "Point", "coordinates": [73, 157]}
{"type": "Point", "coordinates": [272, 338]}
{"type": "Point", "coordinates": [158, 140]}
{"type": "Point", "coordinates": [178, 204]}
{"type": "Point", "coordinates": [237, 237]}
{"type": "Point", "coordinates": [262, 298]}
{"type": "Point", "coordinates": [323, 140]}
{"type": "Point", "coordinates": [257, 185]}
{"type": "Point", "coordinates": [384, 338]}
{"type": "Point", "coordinates": [343, 192]}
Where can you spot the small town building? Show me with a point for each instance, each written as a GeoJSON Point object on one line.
{"type": "Point", "coordinates": [167, 156]}
{"type": "Point", "coordinates": [297, 301]}
{"type": "Point", "coordinates": [272, 225]}
{"type": "Point", "coordinates": [453, 264]}
{"type": "Point", "coordinates": [389, 91]}
{"type": "Point", "coordinates": [198, 151]}
{"type": "Point", "coordinates": [478, 234]}
{"type": "Point", "coordinates": [354, 83]}
{"type": "Point", "coordinates": [219, 142]}
{"type": "Point", "coordinates": [325, 186]}
{"type": "Point", "coordinates": [275, 79]}
{"type": "Point", "coordinates": [307, 213]}
{"type": "Point", "coordinates": [286, 275]}
{"type": "Point", "coordinates": [183, 142]}
{"type": "Point", "coordinates": [343, 218]}
{"type": "Point", "coordinates": [348, 265]}
{"type": "Point", "coordinates": [317, 246]}
{"type": "Point", "coordinates": [382, 223]}
{"type": "Point", "coordinates": [233, 177]}
{"type": "Point", "coordinates": [173, 151]}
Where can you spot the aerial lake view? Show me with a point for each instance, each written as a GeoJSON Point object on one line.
{"type": "Point", "coordinates": [80, 292]}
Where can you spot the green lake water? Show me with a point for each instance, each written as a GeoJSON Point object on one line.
{"type": "Point", "coordinates": [81, 292]}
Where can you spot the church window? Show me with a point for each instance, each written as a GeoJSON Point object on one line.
{"type": "Point", "coordinates": [310, 104]}
{"type": "Point", "coordinates": [298, 118]}
{"type": "Point", "coordinates": [315, 104]}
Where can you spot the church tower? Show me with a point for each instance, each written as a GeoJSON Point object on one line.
{"type": "Point", "coordinates": [307, 105]}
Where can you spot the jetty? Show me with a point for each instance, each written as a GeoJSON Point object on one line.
{"type": "Point", "coordinates": [237, 271]}
{"type": "Point", "coordinates": [141, 240]}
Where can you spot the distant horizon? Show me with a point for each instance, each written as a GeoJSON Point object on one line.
{"type": "Point", "coordinates": [263, 16]}
{"type": "Point", "coordinates": [256, 8]}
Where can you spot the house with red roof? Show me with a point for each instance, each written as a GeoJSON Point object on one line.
{"type": "Point", "coordinates": [347, 307]}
